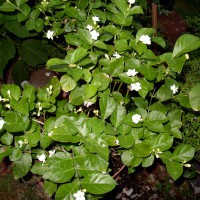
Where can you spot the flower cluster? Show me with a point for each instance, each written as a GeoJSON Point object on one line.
{"type": "Point", "coordinates": [145, 39]}
{"type": "Point", "coordinates": [79, 195]}
{"type": "Point", "coordinates": [136, 118]}
{"type": "Point", "coordinates": [94, 34]}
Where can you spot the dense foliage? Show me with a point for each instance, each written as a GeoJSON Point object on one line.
{"type": "Point", "coordinates": [119, 94]}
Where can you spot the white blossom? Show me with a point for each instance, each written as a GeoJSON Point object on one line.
{"type": "Point", "coordinates": [51, 153]}
{"type": "Point", "coordinates": [145, 39]}
{"type": "Point", "coordinates": [187, 165]}
{"type": "Point", "coordinates": [136, 86]}
{"type": "Point", "coordinates": [174, 89]}
{"type": "Point", "coordinates": [2, 122]}
{"type": "Point", "coordinates": [41, 158]}
{"type": "Point", "coordinates": [136, 118]}
{"type": "Point", "coordinates": [117, 142]}
{"type": "Point", "coordinates": [79, 195]}
{"type": "Point", "coordinates": [50, 133]}
{"type": "Point", "coordinates": [95, 19]}
{"type": "Point", "coordinates": [131, 72]}
{"type": "Point", "coordinates": [47, 73]}
{"type": "Point", "coordinates": [87, 103]}
{"type": "Point", "coordinates": [94, 34]}
{"type": "Point", "coordinates": [187, 56]}
{"type": "Point", "coordinates": [131, 1]}
{"type": "Point", "coordinates": [89, 27]}
{"type": "Point", "coordinates": [106, 56]}
{"type": "Point", "coordinates": [50, 34]}
{"type": "Point", "coordinates": [20, 142]}
{"type": "Point", "coordinates": [116, 55]}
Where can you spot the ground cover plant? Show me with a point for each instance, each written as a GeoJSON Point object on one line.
{"type": "Point", "coordinates": [112, 93]}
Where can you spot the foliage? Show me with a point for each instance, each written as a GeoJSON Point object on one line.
{"type": "Point", "coordinates": [120, 96]}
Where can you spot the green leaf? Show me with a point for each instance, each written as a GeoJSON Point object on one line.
{"type": "Point", "coordinates": [162, 141]}
{"type": "Point", "coordinates": [118, 115]}
{"type": "Point", "coordinates": [76, 55]}
{"type": "Point", "coordinates": [101, 81]}
{"type": "Point", "coordinates": [147, 162]}
{"type": "Point", "coordinates": [121, 45]}
{"type": "Point", "coordinates": [98, 183]}
{"type": "Point", "coordinates": [184, 152]}
{"type": "Point", "coordinates": [60, 171]}
{"type": "Point", "coordinates": [57, 65]}
{"type": "Point", "coordinates": [141, 149]}
{"type": "Point", "coordinates": [16, 154]}
{"type": "Point", "coordinates": [67, 83]}
{"type": "Point", "coordinates": [15, 122]}
{"type": "Point", "coordinates": [144, 31]}
{"type": "Point", "coordinates": [135, 10]}
{"type": "Point", "coordinates": [22, 166]}
{"type": "Point", "coordinates": [175, 169]}
{"type": "Point", "coordinates": [90, 90]}
{"type": "Point", "coordinates": [100, 44]}
{"type": "Point", "coordinates": [38, 168]}
{"type": "Point", "coordinates": [122, 5]}
{"type": "Point", "coordinates": [75, 13]}
{"type": "Point", "coordinates": [126, 141]}
{"type": "Point", "coordinates": [127, 157]}
{"type": "Point", "coordinates": [164, 93]}
{"type": "Point", "coordinates": [33, 52]}
{"type": "Point", "coordinates": [97, 125]}
{"type": "Point", "coordinates": [7, 51]}
{"type": "Point", "coordinates": [20, 2]}
{"type": "Point", "coordinates": [107, 106]}
{"type": "Point", "coordinates": [76, 96]}
{"type": "Point", "coordinates": [117, 67]}
{"type": "Point", "coordinates": [66, 191]}
{"type": "Point", "coordinates": [21, 106]}
{"type": "Point", "coordinates": [7, 138]}
{"type": "Point", "coordinates": [186, 43]}
{"type": "Point", "coordinates": [5, 151]}
{"type": "Point", "coordinates": [15, 92]}
{"type": "Point", "coordinates": [194, 97]}
{"type": "Point", "coordinates": [159, 40]}
{"type": "Point", "coordinates": [7, 7]}
{"type": "Point", "coordinates": [49, 188]}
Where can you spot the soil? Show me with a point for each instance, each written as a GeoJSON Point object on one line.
{"type": "Point", "coordinates": [152, 183]}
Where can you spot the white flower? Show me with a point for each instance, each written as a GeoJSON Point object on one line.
{"type": "Point", "coordinates": [2, 122]}
{"type": "Point", "coordinates": [50, 34]}
{"type": "Point", "coordinates": [187, 165]}
{"type": "Point", "coordinates": [131, 72]}
{"type": "Point", "coordinates": [145, 39]}
{"type": "Point", "coordinates": [50, 133]}
{"type": "Point", "coordinates": [42, 158]}
{"type": "Point", "coordinates": [79, 195]}
{"type": "Point", "coordinates": [136, 86]}
{"type": "Point", "coordinates": [131, 1]}
{"type": "Point", "coordinates": [116, 55]}
{"type": "Point", "coordinates": [174, 89]}
{"type": "Point", "coordinates": [51, 153]}
{"type": "Point", "coordinates": [89, 27]}
{"type": "Point", "coordinates": [187, 56]}
{"type": "Point", "coordinates": [136, 118]}
{"type": "Point", "coordinates": [106, 56]}
{"type": "Point", "coordinates": [87, 103]}
{"type": "Point", "coordinates": [94, 34]}
{"type": "Point", "coordinates": [95, 19]}
{"type": "Point", "coordinates": [20, 142]}
{"type": "Point", "coordinates": [117, 142]}
{"type": "Point", "coordinates": [47, 73]}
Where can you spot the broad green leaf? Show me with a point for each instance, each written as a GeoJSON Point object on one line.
{"type": "Point", "coordinates": [90, 90]}
{"type": "Point", "coordinates": [107, 106]}
{"type": "Point", "coordinates": [101, 81]}
{"type": "Point", "coordinates": [67, 83]}
{"type": "Point", "coordinates": [85, 36]}
{"type": "Point", "coordinates": [118, 115]}
{"type": "Point", "coordinates": [162, 141]}
{"type": "Point", "coordinates": [141, 149]}
{"type": "Point", "coordinates": [156, 116]}
{"type": "Point", "coordinates": [20, 2]}
{"type": "Point", "coordinates": [148, 72]}
{"type": "Point", "coordinates": [100, 44]}
{"type": "Point", "coordinates": [33, 52]}
{"type": "Point", "coordinates": [127, 157]}
{"type": "Point", "coordinates": [15, 92]}
{"type": "Point", "coordinates": [15, 122]}
{"type": "Point", "coordinates": [122, 5]}
{"type": "Point", "coordinates": [22, 166]}
{"type": "Point", "coordinates": [57, 65]}
{"type": "Point", "coordinates": [7, 7]}
{"type": "Point", "coordinates": [184, 152]}
{"type": "Point", "coordinates": [38, 168]}
{"type": "Point", "coordinates": [75, 55]}
{"type": "Point", "coordinates": [121, 45]}
{"type": "Point", "coordinates": [175, 169]}
{"type": "Point", "coordinates": [66, 191]}
{"type": "Point", "coordinates": [135, 10]}
{"type": "Point", "coordinates": [97, 125]}
{"type": "Point", "coordinates": [146, 87]}
{"type": "Point", "coordinates": [186, 43]}
{"type": "Point", "coordinates": [147, 162]}
{"type": "Point", "coordinates": [194, 97]}
{"type": "Point", "coordinates": [7, 51]}
{"type": "Point", "coordinates": [117, 67]}
{"type": "Point", "coordinates": [159, 40]}
{"type": "Point", "coordinates": [16, 154]}
{"type": "Point", "coordinates": [20, 106]}
{"type": "Point", "coordinates": [164, 93]}
{"type": "Point", "coordinates": [60, 171]}
{"type": "Point", "coordinates": [4, 152]}
{"type": "Point", "coordinates": [7, 138]}
{"type": "Point", "coordinates": [76, 96]}
{"type": "Point", "coordinates": [49, 188]}
{"type": "Point", "coordinates": [126, 141]}
{"type": "Point", "coordinates": [75, 13]}
{"type": "Point", "coordinates": [98, 183]}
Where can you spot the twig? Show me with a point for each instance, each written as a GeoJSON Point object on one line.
{"type": "Point", "coordinates": [117, 173]}
{"type": "Point", "coordinates": [38, 121]}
